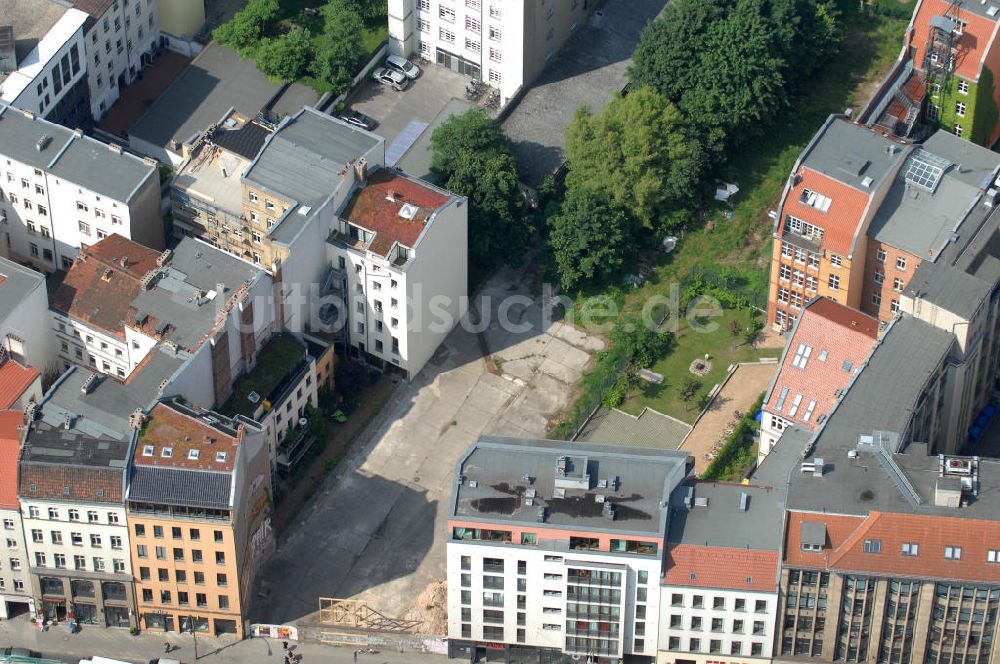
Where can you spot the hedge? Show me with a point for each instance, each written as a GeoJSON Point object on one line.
{"type": "Point", "coordinates": [735, 455]}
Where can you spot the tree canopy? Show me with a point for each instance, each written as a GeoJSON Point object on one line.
{"type": "Point", "coordinates": [473, 158]}
{"type": "Point", "coordinates": [639, 152]}
{"type": "Point", "coordinates": [285, 59]}
{"type": "Point", "coordinates": [591, 239]}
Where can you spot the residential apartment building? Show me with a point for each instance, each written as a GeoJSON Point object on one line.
{"type": "Point", "coordinates": [63, 191]}
{"type": "Point", "coordinates": [15, 586]}
{"type": "Point", "coordinates": [556, 549]}
{"type": "Point", "coordinates": [200, 517]}
{"type": "Point", "coordinates": [399, 262]}
{"type": "Point", "coordinates": [42, 65]}
{"type": "Point", "coordinates": [70, 487]}
{"type": "Point", "coordinates": [820, 238]}
{"type": "Point", "coordinates": [356, 249]}
{"type": "Point", "coordinates": [120, 301]}
{"type": "Point", "coordinates": [506, 44]}
{"type": "Point", "coordinates": [826, 347]}
{"type": "Point", "coordinates": [719, 591]}
{"type": "Point", "coordinates": [119, 36]}
{"type": "Point", "coordinates": [24, 316]}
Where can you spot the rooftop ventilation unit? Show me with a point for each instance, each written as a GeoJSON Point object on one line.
{"type": "Point", "coordinates": [600, 498]}
{"type": "Point", "coordinates": [89, 384]}
{"type": "Point", "coordinates": [473, 484]}
{"type": "Point", "coordinates": [820, 466]}
{"type": "Point", "coordinates": [253, 397]}
{"type": "Point", "coordinates": [609, 511]}
{"type": "Point", "coordinates": [992, 11]}
{"type": "Point", "coordinates": [689, 497]}
{"type": "Point", "coordinates": [852, 454]}
{"type": "Point", "coordinates": [867, 181]}
{"type": "Point", "coordinates": [43, 142]}
{"type": "Point", "coordinates": [530, 493]}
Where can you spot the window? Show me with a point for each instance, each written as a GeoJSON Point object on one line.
{"type": "Point", "coordinates": [182, 597]}
{"type": "Point", "coordinates": [897, 285]}
{"type": "Point", "coordinates": [220, 558]}
{"type": "Point", "coordinates": [952, 553]}
{"type": "Point", "coordinates": [37, 535]}
{"type": "Point", "coordinates": [472, 23]}
{"type": "Point", "coordinates": [59, 560]}
{"type": "Point", "coordinates": [495, 34]}
{"type": "Point", "coordinates": [253, 197]}
{"type": "Point", "coordinates": [423, 25]}
{"type": "Point", "coordinates": [84, 228]}
{"type": "Point", "coordinates": [495, 12]}
{"type": "Point", "coordinates": [223, 602]}
{"type": "Point", "coordinates": [39, 559]}
{"type": "Point", "coordinates": [141, 551]}
{"type": "Point", "coordinates": [993, 556]}
{"type": "Point", "coordinates": [57, 538]}
{"type": "Point", "coordinates": [161, 553]}
{"type": "Point", "coordinates": [113, 518]}
{"type": "Point", "coordinates": [446, 13]}
{"type": "Point", "coordinates": [196, 555]}
{"type": "Point", "coordinates": [201, 599]}
{"type": "Point", "coordinates": [79, 562]}
{"type": "Point", "coordinates": [894, 306]}
{"type": "Point", "coordinates": [834, 282]}
{"type": "Point", "coordinates": [220, 580]}
{"type": "Point", "coordinates": [879, 276]}
{"type": "Point", "coordinates": [909, 548]}
{"type": "Point", "coordinates": [140, 530]}
{"type": "Point", "coordinates": [873, 546]}
{"type": "Point", "coordinates": [877, 299]}
{"type": "Point", "coordinates": [960, 109]}
{"type": "Point", "coordinates": [495, 77]}
{"type": "Point", "coordinates": [963, 87]}
{"type": "Point", "coordinates": [473, 45]}
{"type": "Point", "coordinates": [164, 597]}
{"type": "Point", "coordinates": [116, 542]}
{"type": "Point", "coordinates": [199, 578]}
{"type": "Point", "coordinates": [802, 356]}
{"type": "Point", "coordinates": [958, 130]}
{"type": "Point", "coordinates": [804, 228]}
{"type": "Point", "coordinates": [446, 35]}
{"type": "Point", "coordinates": [900, 263]}
{"type": "Point", "coordinates": [158, 532]}
{"type": "Point", "coordinates": [836, 260]}
{"type": "Point", "coordinates": [880, 255]}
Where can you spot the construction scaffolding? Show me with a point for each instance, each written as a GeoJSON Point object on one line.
{"type": "Point", "coordinates": [356, 614]}
{"type": "Point", "coordinates": [941, 50]}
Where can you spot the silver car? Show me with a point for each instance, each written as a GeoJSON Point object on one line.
{"type": "Point", "coordinates": [403, 66]}
{"type": "Point", "coordinates": [391, 78]}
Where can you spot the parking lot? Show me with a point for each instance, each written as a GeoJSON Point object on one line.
{"type": "Point", "coordinates": [421, 102]}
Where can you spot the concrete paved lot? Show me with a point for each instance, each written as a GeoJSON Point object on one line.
{"type": "Point", "coordinates": [377, 530]}
{"type": "Point", "coordinates": [421, 102]}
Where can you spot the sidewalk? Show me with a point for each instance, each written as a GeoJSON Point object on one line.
{"type": "Point", "coordinates": [118, 644]}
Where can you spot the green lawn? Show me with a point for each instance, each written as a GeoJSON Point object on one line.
{"type": "Point", "coordinates": [274, 361]}
{"type": "Point", "coordinates": [691, 344]}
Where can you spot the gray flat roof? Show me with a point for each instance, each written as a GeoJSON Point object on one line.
{"type": "Point", "coordinates": [303, 160]}
{"type": "Point", "coordinates": [217, 80]}
{"type": "Point", "coordinates": [18, 282]}
{"type": "Point", "coordinates": [882, 398]}
{"type": "Point", "coordinates": [31, 20]}
{"type": "Point", "coordinates": [920, 221]}
{"type": "Point", "coordinates": [204, 178]}
{"type": "Point", "coordinates": [54, 444]}
{"type": "Point", "coordinates": [783, 457]}
{"type": "Point", "coordinates": [498, 466]}
{"type": "Point", "coordinates": [721, 522]}
{"type": "Point", "coordinates": [104, 411]}
{"type": "Point", "coordinates": [78, 159]}
{"type": "Point", "coordinates": [179, 486]}
{"type": "Point", "coordinates": [849, 153]}
{"type": "Point", "coordinates": [195, 266]}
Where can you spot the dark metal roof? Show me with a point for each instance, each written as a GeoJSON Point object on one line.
{"type": "Point", "coordinates": [174, 486]}
{"type": "Point", "coordinates": [245, 141]}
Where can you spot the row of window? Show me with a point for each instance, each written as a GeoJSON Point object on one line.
{"type": "Point", "coordinates": [197, 556]}
{"type": "Point", "coordinates": [715, 646]}
{"type": "Point", "coordinates": [495, 12]}
{"type": "Point", "coordinates": [79, 562]}
{"type": "Point", "coordinates": [72, 514]}
{"type": "Point", "coordinates": [166, 597]}
{"type": "Point", "coordinates": [738, 626]}
{"type": "Point", "coordinates": [180, 576]}
{"type": "Point", "coordinates": [719, 603]}
{"type": "Point", "coordinates": [168, 452]}
{"type": "Point", "coordinates": [76, 539]}
{"type": "Point", "coordinates": [177, 533]}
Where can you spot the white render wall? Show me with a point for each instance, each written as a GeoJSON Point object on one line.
{"type": "Point", "coordinates": [29, 321]}
{"type": "Point", "coordinates": [545, 594]}
{"type": "Point", "coordinates": [727, 636]}
{"type": "Point", "coordinates": [78, 342]}
{"type": "Point", "coordinates": [103, 527]}
{"type": "Point", "coordinates": [15, 581]}
{"type": "Point", "coordinates": [115, 44]}
{"type": "Point", "coordinates": [771, 429]}
{"type": "Point", "coordinates": [21, 88]}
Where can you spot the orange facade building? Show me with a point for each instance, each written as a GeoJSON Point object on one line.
{"type": "Point", "coordinates": [198, 511]}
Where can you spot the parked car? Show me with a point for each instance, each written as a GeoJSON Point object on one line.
{"type": "Point", "coordinates": [391, 78]}
{"type": "Point", "coordinates": [359, 119]}
{"type": "Point", "coordinates": [403, 66]}
{"type": "Point", "coordinates": [19, 652]}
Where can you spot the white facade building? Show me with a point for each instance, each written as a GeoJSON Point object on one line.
{"type": "Point", "coordinates": [25, 330]}
{"type": "Point", "coordinates": [63, 191]}
{"type": "Point", "coordinates": [15, 584]}
{"type": "Point", "coordinates": [719, 590]}
{"type": "Point", "coordinates": [400, 253]}
{"type": "Point", "coordinates": [543, 558]}
{"type": "Point", "coordinates": [505, 43]}
{"type": "Point", "coordinates": [45, 71]}
{"type": "Point", "coordinates": [122, 33]}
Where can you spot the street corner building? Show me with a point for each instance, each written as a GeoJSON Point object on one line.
{"type": "Point", "coordinates": [555, 550]}
{"type": "Point", "coordinates": [199, 515]}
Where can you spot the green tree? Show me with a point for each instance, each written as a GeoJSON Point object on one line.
{"type": "Point", "coordinates": [339, 51]}
{"type": "Point", "coordinates": [473, 158]}
{"type": "Point", "coordinates": [285, 58]}
{"type": "Point", "coordinates": [245, 30]}
{"type": "Point", "coordinates": [639, 151]}
{"type": "Point", "coordinates": [639, 342]}
{"type": "Point", "coordinates": [473, 131]}
{"type": "Point", "coordinates": [669, 46]}
{"type": "Point", "coordinates": [592, 239]}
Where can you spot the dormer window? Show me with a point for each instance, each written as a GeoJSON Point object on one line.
{"type": "Point", "coordinates": [812, 548]}
{"type": "Point", "coordinates": [815, 200]}
{"type": "Point", "coordinates": [220, 457]}
{"type": "Point", "coordinates": [804, 228]}
{"type": "Point", "coordinates": [147, 450]}
{"type": "Point", "coordinates": [193, 455]}
{"type": "Point", "coordinates": [167, 452]}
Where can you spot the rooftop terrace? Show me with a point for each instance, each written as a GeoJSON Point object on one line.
{"type": "Point", "coordinates": [282, 357]}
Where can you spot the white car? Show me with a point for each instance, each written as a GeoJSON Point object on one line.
{"type": "Point", "coordinates": [391, 78]}
{"type": "Point", "coordinates": [403, 66]}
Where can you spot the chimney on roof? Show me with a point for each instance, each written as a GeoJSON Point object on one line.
{"type": "Point", "coordinates": [67, 421]}
{"type": "Point", "coordinates": [361, 171]}
{"type": "Point", "coordinates": [136, 419]}
{"type": "Point", "coordinates": [124, 261]}
{"type": "Point", "coordinates": [391, 196]}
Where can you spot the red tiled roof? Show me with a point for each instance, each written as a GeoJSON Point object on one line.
{"type": "Point", "coordinates": [840, 221]}
{"type": "Point", "coordinates": [99, 288]}
{"type": "Point", "coordinates": [10, 447]}
{"type": "Point", "coordinates": [931, 534]}
{"type": "Point", "coordinates": [845, 334]}
{"type": "Point", "coordinates": [15, 379]}
{"type": "Point", "coordinates": [971, 46]}
{"type": "Point", "coordinates": [167, 427]}
{"type": "Point", "coordinates": [720, 567]}
{"type": "Point", "coordinates": [838, 529]}
{"type": "Point", "coordinates": [371, 208]}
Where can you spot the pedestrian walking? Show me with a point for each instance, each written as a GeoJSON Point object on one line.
{"type": "Point", "coordinates": [284, 646]}
{"type": "Point", "coordinates": [166, 646]}
{"type": "Point", "coordinates": [355, 657]}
